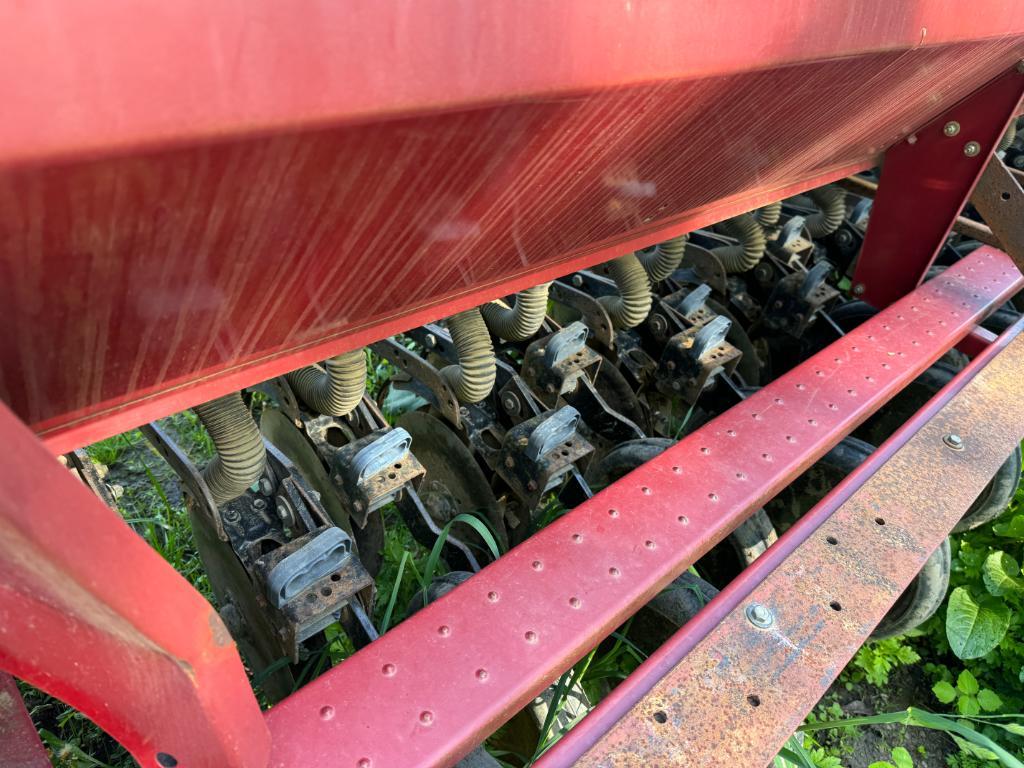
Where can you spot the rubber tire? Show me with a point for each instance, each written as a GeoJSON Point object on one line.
{"type": "Point", "coordinates": [921, 599]}
{"type": "Point", "coordinates": [996, 497]}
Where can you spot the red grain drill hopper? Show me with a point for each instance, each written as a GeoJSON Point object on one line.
{"type": "Point", "coordinates": [202, 201]}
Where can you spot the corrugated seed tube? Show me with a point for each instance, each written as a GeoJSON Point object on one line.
{"type": "Point", "coordinates": [831, 202]}
{"type": "Point", "coordinates": [523, 319]}
{"type": "Point", "coordinates": [665, 258]}
{"type": "Point", "coordinates": [335, 389]}
{"type": "Point", "coordinates": [752, 243]}
{"type": "Point", "coordinates": [241, 456]}
{"type": "Point", "coordinates": [633, 303]}
{"type": "Point", "coordinates": [473, 378]}
{"type": "Point", "coordinates": [769, 215]}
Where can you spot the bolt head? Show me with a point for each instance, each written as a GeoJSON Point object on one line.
{"type": "Point", "coordinates": [954, 441]}
{"type": "Point", "coordinates": [952, 128]}
{"type": "Point", "coordinates": [912, 138]}
{"type": "Point", "coordinates": [858, 289]}
{"type": "Point", "coordinates": [266, 487]}
{"type": "Point", "coordinates": [760, 615]}
{"type": "Point", "coordinates": [577, 281]}
{"type": "Point", "coordinates": [431, 340]}
{"type": "Point", "coordinates": [972, 149]}
{"type": "Point", "coordinates": [510, 462]}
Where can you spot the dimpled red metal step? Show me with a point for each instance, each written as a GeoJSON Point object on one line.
{"type": "Point", "coordinates": [459, 668]}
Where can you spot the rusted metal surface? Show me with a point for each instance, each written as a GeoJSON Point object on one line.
{"type": "Point", "coordinates": [20, 746]}
{"type": "Point", "coordinates": [926, 180]}
{"type": "Point", "coordinates": [762, 682]}
{"type": "Point", "coordinates": [528, 616]}
{"type": "Point", "coordinates": [999, 198]}
{"type": "Point", "coordinates": [626, 695]}
{"type": "Point", "coordinates": [150, 662]}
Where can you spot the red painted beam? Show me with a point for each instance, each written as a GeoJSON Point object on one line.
{"type": "Point", "coordinates": [92, 615]}
{"type": "Point", "coordinates": [825, 601]}
{"type": "Point", "coordinates": [587, 736]}
{"type": "Point", "coordinates": [459, 668]}
{"type": "Point", "coordinates": [20, 746]}
{"type": "Point", "coordinates": [87, 78]}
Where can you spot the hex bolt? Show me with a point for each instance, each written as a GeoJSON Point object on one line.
{"type": "Point", "coordinates": [510, 403]}
{"type": "Point", "coordinates": [577, 281]}
{"type": "Point", "coordinates": [431, 340]}
{"type": "Point", "coordinates": [266, 487]}
{"type": "Point", "coordinates": [231, 515]}
{"type": "Point", "coordinates": [954, 441]}
{"type": "Point", "coordinates": [858, 289]}
{"type": "Point", "coordinates": [972, 148]}
{"type": "Point", "coordinates": [760, 616]}
{"type": "Point", "coordinates": [952, 128]}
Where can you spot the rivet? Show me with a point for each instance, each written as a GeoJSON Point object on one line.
{"type": "Point", "coordinates": [952, 128]}
{"type": "Point", "coordinates": [858, 289]}
{"type": "Point", "coordinates": [972, 148]}
{"type": "Point", "coordinates": [954, 441]}
{"type": "Point", "coordinates": [760, 616]}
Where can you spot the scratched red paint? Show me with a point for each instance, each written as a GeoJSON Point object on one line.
{"type": "Point", "coordinates": [184, 273]}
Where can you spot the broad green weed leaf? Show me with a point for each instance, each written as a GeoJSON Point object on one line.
{"type": "Point", "coordinates": [989, 700]}
{"type": "Point", "coordinates": [944, 692]}
{"type": "Point", "coordinates": [1001, 574]}
{"type": "Point", "coordinates": [975, 627]}
{"type": "Point", "coordinates": [967, 683]}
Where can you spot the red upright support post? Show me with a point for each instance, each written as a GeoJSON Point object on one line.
{"type": "Point", "coordinates": [20, 746]}
{"type": "Point", "coordinates": [926, 180]}
{"type": "Point", "coordinates": [91, 614]}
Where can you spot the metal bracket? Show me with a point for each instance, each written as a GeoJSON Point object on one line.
{"type": "Point", "coordinates": [318, 557]}
{"type": "Point", "coordinates": [189, 474]}
{"type": "Point", "coordinates": [425, 379]}
{"type": "Point", "coordinates": [999, 198]}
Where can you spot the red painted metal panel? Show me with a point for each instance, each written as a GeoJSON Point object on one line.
{"type": "Point", "coordinates": [926, 181]}
{"type": "Point", "coordinates": [763, 682]}
{"type": "Point", "coordinates": [101, 76]}
{"type": "Point", "coordinates": [460, 667]}
{"type": "Point", "coordinates": [20, 746]}
{"type": "Point", "coordinates": [90, 613]}
{"type": "Point", "coordinates": [629, 694]}
{"type": "Point", "coordinates": [290, 195]}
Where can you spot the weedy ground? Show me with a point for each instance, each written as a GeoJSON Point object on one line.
{"type": "Point", "coordinates": [916, 671]}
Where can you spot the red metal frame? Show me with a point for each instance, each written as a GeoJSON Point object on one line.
{"type": "Point", "coordinates": [20, 746]}
{"type": "Point", "coordinates": [341, 197]}
{"type": "Point", "coordinates": [774, 678]}
{"type": "Point", "coordinates": [92, 615]}
{"type": "Point", "coordinates": [496, 641]}
{"type": "Point", "coordinates": [928, 178]}
{"type": "Point", "coordinates": [626, 697]}
{"type": "Point", "coordinates": [303, 183]}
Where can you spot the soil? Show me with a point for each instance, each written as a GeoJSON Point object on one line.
{"type": "Point", "coordinates": [860, 747]}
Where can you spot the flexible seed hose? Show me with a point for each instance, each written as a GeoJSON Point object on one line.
{"type": "Point", "coordinates": [631, 306]}
{"type": "Point", "coordinates": [335, 391]}
{"type": "Point", "coordinates": [769, 215]}
{"type": "Point", "coordinates": [241, 455]}
{"type": "Point", "coordinates": [663, 261]}
{"type": "Point", "coordinates": [473, 378]}
{"type": "Point", "coordinates": [1008, 137]}
{"type": "Point", "coordinates": [521, 321]}
{"type": "Point", "coordinates": [752, 243]}
{"type": "Point", "coordinates": [831, 202]}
